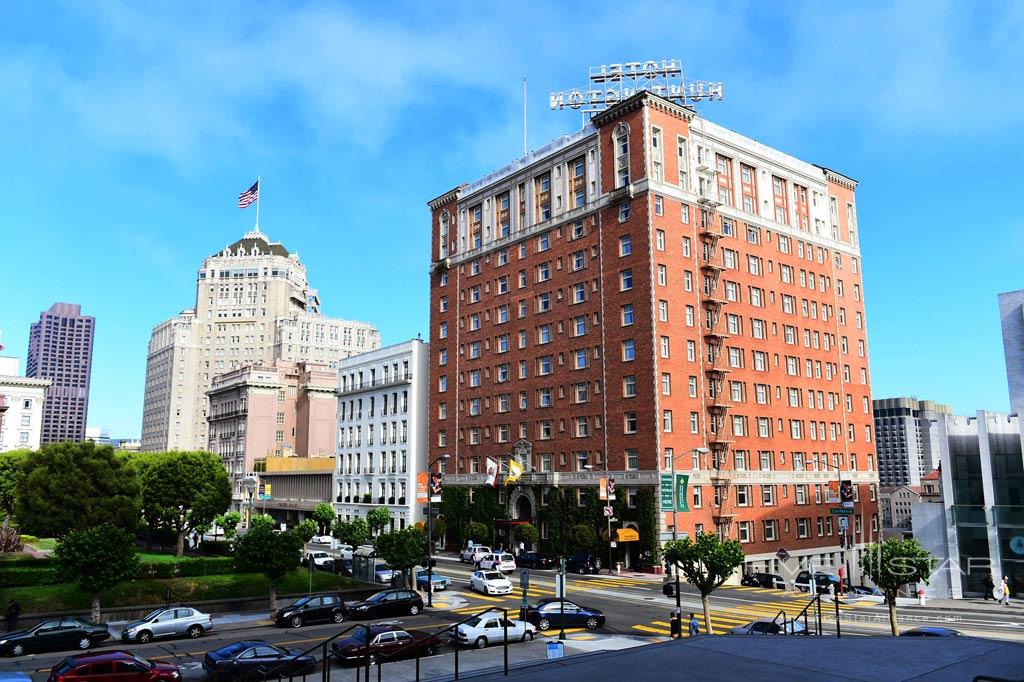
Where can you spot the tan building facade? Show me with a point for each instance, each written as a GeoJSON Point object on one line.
{"type": "Point", "coordinates": [280, 409]}
{"type": "Point", "coordinates": [253, 305]}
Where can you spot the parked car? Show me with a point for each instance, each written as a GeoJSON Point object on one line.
{"type": "Point", "coordinates": [386, 603]}
{"type": "Point", "coordinates": [490, 582]}
{"type": "Point", "coordinates": [243, 658]}
{"type": "Point", "coordinates": [383, 573]}
{"type": "Point", "coordinates": [471, 555]}
{"type": "Point", "coordinates": [179, 621]}
{"type": "Point", "coordinates": [57, 634]}
{"type": "Point", "coordinates": [504, 562]}
{"type": "Point", "coordinates": [932, 632]}
{"type": "Point", "coordinates": [113, 665]}
{"type": "Point", "coordinates": [320, 559]}
{"type": "Point", "coordinates": [490, 627]}
{"type": "Point", "coordinates": [321, 540]}
{"type": "Point", "coordinates": [383, 642]}
{"type": "Point", "coordinates": [583, 563]}
{"type": "Point", "coordinates": [549, 613]}
{"type": "Point", "coordinates": [865, 590]}
{"type": "Point", "coordinates": [345, 552]}
{"type": "Point", "coordinates": [822, 580]}
{"type": "Point", "coordinates": [536, 560]}
{"type": "Point", "coordinates": [765, 626]}
{"type": "Point", "coordinates": [15, 677]}
{"type": "Point", "coordinates": [440, 582]}
{"type": "Point", "coordinates": [768, 581]}
{"type": "Point", "coordinates": [314, 609]}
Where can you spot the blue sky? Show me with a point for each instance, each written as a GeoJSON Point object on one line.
{"type": "Point", "coordinates": [128, 130]}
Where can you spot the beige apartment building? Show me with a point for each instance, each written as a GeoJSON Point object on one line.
{"type": "Point", "coordinates": [253, 305]}
{"type": "Point", "coordinates": [278, 409]}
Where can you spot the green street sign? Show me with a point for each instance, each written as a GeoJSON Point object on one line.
{"type": "Point", "coordinates": [840, 511]}
{"type": "Point", "coordinates": [682, 481]}
{"type": "Point", "coordinates": [667, 497]}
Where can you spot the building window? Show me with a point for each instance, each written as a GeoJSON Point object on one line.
{"type": "Point", "coordinates": [629, 386]}
{"type": "Point", "coordinates": [625, 280]}
{"type": "Point", "coordinates": [628, 350]}
{"type": "Point", "coordinates": [627, 315]}
{"type": "Point", "coordinates": [630, 422]}
{"type": "Point", "coordinates": [666, 421]}
{"type": "Point", "coordinates": [623, 211]}
{"type": "Point", "coordinates": [632, 460]}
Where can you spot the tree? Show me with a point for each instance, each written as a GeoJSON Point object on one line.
{"type": "Point", "coordinates": [75, 486]}
{"type": "Point", "coordinates": [354, 532]}
{"type": "Point", "coordinates": [97, 559]}
{"type": "Point", "coordinates": [11, 470]}
{"type": "Point", "coordinates": [706, 563]}
{"type": "Point", "coordinates": [477, 532]}
{"type": "Point", "coordinates": [324, 515]}
{"type": "Point", "coordinates": [581, 538]}
{"type": "Point", "coordinates": [228, 523]}
{"type": "Point", "coordinates": [455, 511]}
{"type": "Point", "coordinates": [438, 527]}
{"type": "Point", "coordinates": [378, 518]}
{"type": "Point", "coordinates": [894, 563]}
{"type": "Point", "coordinates": [186, 490]}
{"type": "Point", "coordinates": [526, 533]}
{"type": "Point", "coordinates": [270, 553]}
{"type": "Point", "coordinates": [262, 521]}
{"type": "Point", "coordinates": [307, 529]}
{"type": "Point", "coordinates": [402, 549]}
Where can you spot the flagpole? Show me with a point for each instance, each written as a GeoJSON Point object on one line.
{"type": "Point", "coordinates": [258, 192]}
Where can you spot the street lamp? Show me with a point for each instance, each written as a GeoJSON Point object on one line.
{"type": "Point", "coordinates": [250, 492]}
{"type": "Point", "coordinates": [675, 523]}
{"type": "Point", "coordinates": [430, 532]}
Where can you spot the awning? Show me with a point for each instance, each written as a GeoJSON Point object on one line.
{"type": "Point", "coordinates": [623, 535]}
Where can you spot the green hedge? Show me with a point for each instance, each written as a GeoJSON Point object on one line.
{"type": "Point", "coordinates": [188, 567]}
{"type": "Point", "coordinates": [217, 547]}
{"type": "Point", "coordinates": [22, 576]}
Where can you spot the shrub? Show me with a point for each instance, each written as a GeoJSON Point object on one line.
{"type": "Point", "coordinates": [217, 547]}
{"type": "Point", "coordinates": [188, 567]}
{"type": "Point", "coordinates": [24, 576]}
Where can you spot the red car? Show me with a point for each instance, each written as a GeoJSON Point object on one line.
{"type": "Point", "coordinates": [113, 665]}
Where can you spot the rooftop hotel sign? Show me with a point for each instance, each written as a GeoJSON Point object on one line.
{"type": "Point", "coordinates": [609, 84]}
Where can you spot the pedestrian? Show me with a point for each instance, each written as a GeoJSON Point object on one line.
{"type": "Point", "coordinates": [1006, 591]}
{"type": "Point", "coordinates": [13, 611]}
{"type": "Point", "coordinates": [675, 626]}
{"type": "Point", "coordinates": [694, 626]}
{"type": "Point", "coordinates": [990, 586]}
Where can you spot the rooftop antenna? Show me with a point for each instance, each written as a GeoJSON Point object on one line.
{"type": "Point", "coordinates": [525, 148]}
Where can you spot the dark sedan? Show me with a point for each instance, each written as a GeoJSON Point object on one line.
{"type": "Point", "coordinates": [242, 658]}
{"type": "Point", "coordinates": [317, 609]}
{"type": "Point", "coordinates": [866, 591]}
{"type": "Point", "coordinates": [375, 643]}
{"type": "Point", "coordinates": [386, 603]}
{"type": "Point", "coordinates": [932, 632]}
{"type": "Point", "coordinates": [58, 634]}
{"type": "Point", "coordinates": [536, 560]}
{"type": "Point", "coordinates": [583, 564]}
{"type": "Point", "coordinates": [548, 613]}
{"type": "Point", "coordinates": [766, 580]}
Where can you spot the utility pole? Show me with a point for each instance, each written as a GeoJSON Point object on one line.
{"type": "Point", "coordinates": [430, 533]}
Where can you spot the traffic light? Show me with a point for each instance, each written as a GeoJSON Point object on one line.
{"type": "Point", "coordinates": [669, 589]}
{"type": "Point", "coordinates": [432, 562]}
{"type": "Point", "coordinates": [842, 541]}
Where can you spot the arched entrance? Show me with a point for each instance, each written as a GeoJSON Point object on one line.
{"type": "Point", "coordinates": [524, 509]}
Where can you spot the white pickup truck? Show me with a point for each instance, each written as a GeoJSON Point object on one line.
{"type": "Point", "coordinates": [473, 554]}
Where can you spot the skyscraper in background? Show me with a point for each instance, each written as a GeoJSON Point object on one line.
{"type": "Point", "coordinates": [1011, 314]}
{"type": "Point", "coordinates": [60, 349]}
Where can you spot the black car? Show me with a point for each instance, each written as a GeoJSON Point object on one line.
{"type": "Point", "coordinates": [536, 560]}
{"type": "Point", "coordinates": [823, 582]}
{"type": "Point", "coordinates": [386, 603]}
{"type": "Point", "coordinates": [583, 563]}
{"type": "Point", "coordinates": [383, 642]}
{"type": "Point", "coordinates": [242, 658]}
{"type": "Point", "coordinates": [549, 613]}
{"type": "Point", "coordinates": [58, 634]}
{"type": "Point", "coordinates": [932, 632]}
{"type": "Point", "coordinates": [768, 581]}
{"type": "Point", "coordinates": [316, 609]}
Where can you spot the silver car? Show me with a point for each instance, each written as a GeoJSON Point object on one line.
{"type": "Point", "coordinates": [178, 621]}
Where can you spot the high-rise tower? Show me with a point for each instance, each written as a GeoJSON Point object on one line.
{"type": "Point", "coordinates": [60, 349]}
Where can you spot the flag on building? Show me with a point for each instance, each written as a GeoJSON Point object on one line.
{"type": "Point", "coordinates": [515, 472]}
{"type": "Point", "coordinates": [250, 195]}
{"type": "Point", "coordinates": [492, 472]}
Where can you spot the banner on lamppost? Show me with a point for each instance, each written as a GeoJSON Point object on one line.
{"type": "Point", "coordinates": [832, 495]}
{"type": "Point", "coordinates": [673, 493]}
{"type": "Point", "coordinates": [421, 487]}
{"type": "Point", "coordinates": [435, 486]}
{"type": "Point", "coordinates": [667, 498]}
{"type": "Point", "coordinates": [846, 492]}
{"type": "Point", "coordinates": [682, 482]}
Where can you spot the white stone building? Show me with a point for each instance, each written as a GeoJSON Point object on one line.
{"type": "Point", "coordinates": [21, 407]}
{"type": "Point", "coordinates": [1011, 314]}
{"type": "Point", "coordinates": [382, 431]}
{"type": "Point", "coordinates": [253, 305]}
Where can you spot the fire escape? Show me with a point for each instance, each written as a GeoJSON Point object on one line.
{"type": "Point", "coordinates": [716, 368]}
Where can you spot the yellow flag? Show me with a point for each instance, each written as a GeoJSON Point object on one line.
{"type": "Point", "coordinates": [515, 471]}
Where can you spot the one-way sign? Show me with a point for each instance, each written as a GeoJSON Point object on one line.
{"type": "Point", "coordinates": [782, 554]}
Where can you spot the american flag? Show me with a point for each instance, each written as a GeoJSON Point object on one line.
{"type": "Point", "coordinates": [250, 195]}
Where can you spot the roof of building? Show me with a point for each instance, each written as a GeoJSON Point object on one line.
{"type": "Point", "coordinates": [932, 475]}
{"type": "Point", "coordinates": [255, 239]}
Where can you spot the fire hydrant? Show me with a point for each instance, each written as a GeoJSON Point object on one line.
{"type": "Point", "coordinates": [922, 598]}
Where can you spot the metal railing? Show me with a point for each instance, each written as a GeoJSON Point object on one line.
{"type": "Point", "coordinates": [378, 659]}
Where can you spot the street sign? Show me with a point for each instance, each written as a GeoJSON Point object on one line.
{"type": "Point", "coordinates": [556, 649]}
{"type": "Point", "coordinates": [431, 511]}
{"type": "Point", "coordinates": [841, 511]}
{"type": "Point", "coordinates": [782, 554]}
{"type": "Point", "coordinates": [609, 511]}
{"type": "Point", "coordinates": [667, 496]}
{"type": "Point", "coordinates": [844, 523]}
{"type": "Point", "coordinates": [524, 580]}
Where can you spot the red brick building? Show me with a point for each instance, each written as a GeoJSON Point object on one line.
{"type": "Point", "coordinates": [647, 286]}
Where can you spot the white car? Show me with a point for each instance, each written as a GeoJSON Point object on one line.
{"type": "Point", "coordinates": [474, 554]}
{"type": "Point", "coordinates": [490, 582]}
{"type": "Point", "coordinates": [490, 627]}
{"type": "Point", "coordinates": [345, 552]}
{"type": "Point", "coordinates": [321, 559]}
{"type": "Point", "coordinates": [503, 562]}
{"type": "Point", "coordinates": [321, 540]}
